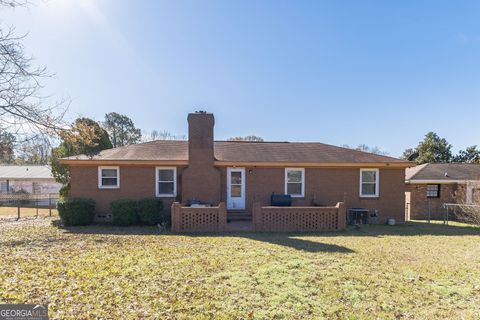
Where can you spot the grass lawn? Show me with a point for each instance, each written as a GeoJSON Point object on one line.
{"type": "Point", "coordinates": [414, 271]}
{"type": "Point", "coordinates": [11, 212]}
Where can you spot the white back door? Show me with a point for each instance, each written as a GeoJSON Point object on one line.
{"type": "Point", "coordinates": [236, 188]}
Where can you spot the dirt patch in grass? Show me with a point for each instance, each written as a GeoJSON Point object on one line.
{"type": "Point", "coordinates": [415, 271]}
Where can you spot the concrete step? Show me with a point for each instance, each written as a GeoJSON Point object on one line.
{"type": "Point", "coordinates": [239, 216]}
{"type": "Point", "coordinates": [242, 218]}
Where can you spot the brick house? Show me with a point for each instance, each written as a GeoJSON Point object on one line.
{"type": "Point", "coordinates": [429, 186]}
{"type": "Point", "coordinates": [240, 174]}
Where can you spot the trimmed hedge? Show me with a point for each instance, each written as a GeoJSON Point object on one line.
{"type": "Point", "coordinates": [147, 211]}
{"type": "Point", "coordinates": [76, 211]}
{"type": "Point", "coordinates": [124, 212]}
{"type": "Point", "coordinates": [150, 211]}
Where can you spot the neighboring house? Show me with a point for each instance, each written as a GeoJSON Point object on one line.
{"type": "Point", "coordinates": [241, 173]}
{"type": "Point", "coordinates": [429, 186]}
{"type": "Point", "coordinates": [34, 179]}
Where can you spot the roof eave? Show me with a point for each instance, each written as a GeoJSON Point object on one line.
{"type": "Point", "coordinates": [221, 163]}
{"type": "Point", "coordinates": [434, 181]}
{"type": "Point", "coordinates": [29, 179]}
{"type": "Point", "coordinates": [314, 164]}
{"type": "Point", "coordinates": [91, 162]}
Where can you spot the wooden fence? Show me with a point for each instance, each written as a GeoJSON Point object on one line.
{"type": "Point", "coordinates": [198, 219]}
{"type": "Point", "coordinates": [292, 219]}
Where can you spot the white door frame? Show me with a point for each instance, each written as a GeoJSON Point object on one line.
{"type": "Point", "coordinates": [236, 203]}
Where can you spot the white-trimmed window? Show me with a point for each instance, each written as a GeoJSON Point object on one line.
{"type": "Point", "coordinates": [369, 183]}
{"type": "Point", "coordinates": [109, 177]}
{"type": "Point", "coordinates": [36, 188]}
{"type": "Point", "coordinates": [295, 182]}
{"type": "Point", "coordinates": [166, 181]}
{"type": "Point", "coordinates": [433, 191]}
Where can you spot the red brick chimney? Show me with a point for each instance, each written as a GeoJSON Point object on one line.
{"type": "Point", "coordinates": [201, 180]}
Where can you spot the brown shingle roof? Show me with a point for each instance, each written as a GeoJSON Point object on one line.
{"type": "Point", "coordinates": [236, 151]}
{"type": "Point", "coordinates": [302, 152]}
{"type": "Point", "coordinates": [443, 172]}
{"type": "Point", "coordinates": [154, 150]}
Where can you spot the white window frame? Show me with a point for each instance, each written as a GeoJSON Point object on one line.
{"type": "Point", "coordinates": [100, 186]}
{"type": "Point", "coordinates": [157, 181]}
{"type": "Point", "coordinates": [36, 186]}
{"type": "Point", "coordinates": [303, 182]}
{"type": "Point", "coordinates": [377, 183]}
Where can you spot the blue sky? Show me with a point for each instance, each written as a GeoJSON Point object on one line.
{"type": "Point", "coordinates": [381, 73]}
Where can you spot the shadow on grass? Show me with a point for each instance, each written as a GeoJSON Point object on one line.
{"type": "Point", "coordinates": [289, 240]}
{"type": "Point", "coordinates": [412, 228]}
{"type": "Point", "coordinates": [108, 229]}
{"type": "Point", "coordinates": [282, 239]}
{"type": "Point", "coordinates": [294, 240]}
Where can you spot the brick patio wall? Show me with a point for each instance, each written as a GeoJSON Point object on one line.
{"type": "Point", "coordinates": [190, 219]}
{"type": "Point", "coordinates": [292, 219]}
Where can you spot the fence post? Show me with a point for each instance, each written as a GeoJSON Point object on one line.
{"type": "Point", "coordinates": [175, 212]}
{"type": "Point", "coordinates": [50, 204]}
{"type": "Point", "coordinates": [222, 216]}
{"type": "Point", "coordinates": [18, 210]}
{"type": "Point", "coordinates": [428, 201]}
{"type": "Point", "coordinates": [341, 216]}
{"type": "Point", "coordinates": [256, 217]}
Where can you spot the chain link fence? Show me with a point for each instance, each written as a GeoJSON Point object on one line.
{"type": "Point", "coordinates": [468, 213]}
{"type": "Point", "coordinates": [26, 205]}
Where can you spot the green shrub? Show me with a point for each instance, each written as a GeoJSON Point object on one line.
{"type": "Point", "coordinates": [124, 212]}
{"type": "Point", "coordinates": [76, 211]}
{"type": "Point", "coordinates": [65, 191]}
{"type": "Point", "coordinates": [150, 211]}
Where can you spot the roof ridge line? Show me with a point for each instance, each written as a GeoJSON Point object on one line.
{"type": "Point", "coordinates": [423, 166]}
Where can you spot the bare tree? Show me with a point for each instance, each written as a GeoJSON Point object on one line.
{"type": "Point", "coordinates": [7, 142]}
{"type": "Point", "coordinates": [365, 148]}
{"type": "Point", "coordinates": [468, 213]}
{"type": "Point", "coordinates": [13, 3]}
{"type": "Point", "coordinates": [34, 151]}
{"type": "Point", "coordinates": [161, 135]}
{"type": "Point", "coordinates": [251, 138]}
{"type": "Point", "coordinates": [24, 111]}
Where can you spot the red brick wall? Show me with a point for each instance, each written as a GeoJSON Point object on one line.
{"type": "Point", "coordinates": [324, 186]}
{"type": "Point", "coordinates": [420, 205]}
{"type": "Point", "coordinates": [136, 182]}
{"type": "Point", "coordinates": [201, 178]}
{"type": "Point", "coordinates": [293, 219]}
{"type": "Point", "coordinates": [190, 219]}
{"type": "Point", "coordinates": [328, 186]}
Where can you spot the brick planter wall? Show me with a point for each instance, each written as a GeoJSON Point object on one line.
{"type": "Point", "coordinates": [285, 219]}
{"type": "Point", "coordinates": [188, 219]}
